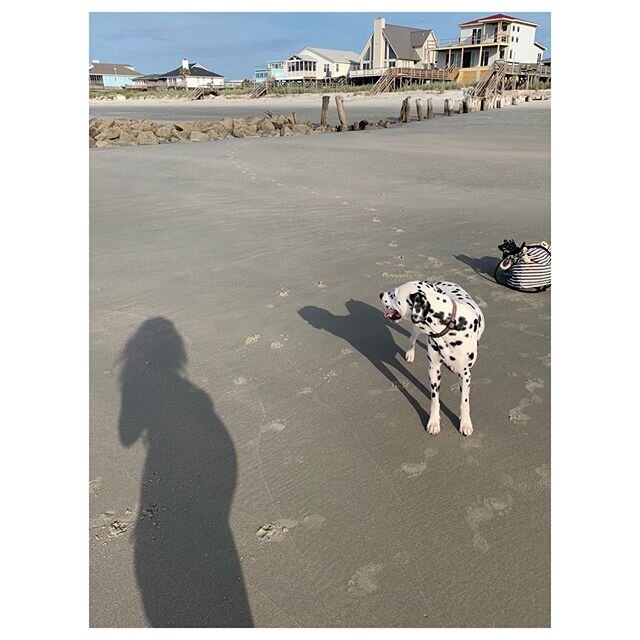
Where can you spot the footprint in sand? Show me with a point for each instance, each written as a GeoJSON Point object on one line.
{"type": "Point", "coordinates": [240, 380]}
{"type": "Point", "coordinates": [534, 383]}
{"type": "Point", "coordinates": [275, 426]}
{"type": "Point", "coordinates": [331, 374]}
{"type": "Point", "coordinates": [276, 345]}
{"type": "Point", "coordinates": [252, 339]}
{"type": "Point", "coordinates": [363, 582]}
{"type": "Point", "coordinates": [376, 219]}
{"type": "Point", "coordinates": [393, 244]}
{"type": "Point", "coordinates": [484, 511]}
{"type": "Point", "coordinates": [415, 469]}
{"type": "Point", "coordinates": [517, 414]}
{"type": "Point", "coordinates": [283, 293]}
{"type": "Point", "coordinates": [321, 285]}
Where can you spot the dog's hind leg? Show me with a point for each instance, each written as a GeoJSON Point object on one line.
{"type": "Point", "coordinates": [410, 355]}
{"type": "Point", "coordinates": [433, 426]}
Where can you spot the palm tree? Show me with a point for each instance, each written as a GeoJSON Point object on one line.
{"type": "Point", "coordinates": [184, 72]}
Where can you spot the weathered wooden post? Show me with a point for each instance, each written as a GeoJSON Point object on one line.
{"type": "Point", "coordinates": [419, 109]}
{"type": "Point", "coordinates": [324, 115]}
{"type": "Point", "coordinates": [498, 102]}
{"type": "Point", "coordinates": [342, 116]}
{"type": "Point", "coordinates": [405, 111]}
{"type": "Point", "coordinates": [429, 108]}
{"type": "Point", "coordinates": [527, 98]}
{"type": "Point", "coordinates": [447, 107]}
{"type": "Point", "coordinates": [483, 104]}
{"type": "Point", "coordinates": [293, 118]}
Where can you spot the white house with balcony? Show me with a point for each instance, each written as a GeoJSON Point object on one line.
{"type": "Point", "coordinates": [484, 41]}
{"type": "Point", "coordinates": [313, 64]}
{"type": "Point", "coordinates": [390, 45]}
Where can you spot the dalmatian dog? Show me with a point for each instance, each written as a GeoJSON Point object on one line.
{"type": "Point", "coordinates": [453, 324]}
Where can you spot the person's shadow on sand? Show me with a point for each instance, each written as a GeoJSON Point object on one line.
{"type": "Point", "coordinates": [484, 266]}
{"type": "Point", "coordinates": [185, 558]}
{"type": "Point", "coordinates": [366, 330]}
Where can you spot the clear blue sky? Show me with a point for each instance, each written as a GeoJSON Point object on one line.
{"type": "Point", "coordinates": [233, 44]}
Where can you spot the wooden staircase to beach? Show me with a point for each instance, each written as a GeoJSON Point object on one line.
{"type": "Point", "coordinates": [195, 94]}
{"type": "Point", "coordinates": [509, 75]}
{"type": "Point", "coordinates": [396, 76]}
{"type": "Point", "coordinates": [260, 90]}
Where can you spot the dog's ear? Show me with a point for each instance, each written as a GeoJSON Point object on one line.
{"type": "Point", "coordinates": [419, 307]}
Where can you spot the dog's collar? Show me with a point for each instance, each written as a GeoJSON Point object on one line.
{"type": "Point", "coordinates": [451, 324]}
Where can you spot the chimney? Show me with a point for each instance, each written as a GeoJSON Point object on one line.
{"type": "Point", "coordinates": [185, 63]}
{"type": "Point", "coordinates": [378, 43]}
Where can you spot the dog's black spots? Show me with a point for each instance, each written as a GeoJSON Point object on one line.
{"type": "Point", "coordinates": [451, 358]}
{"type": "Point", "coordinates": [440, 316]}
{"type": "Point", "coordinates": [472, 356]}
{"type": "Point", "coordinates": [433, 394]}
{"type": "Point", "coordinates": [466, 399]}
{"type": "Point", "coordinates": [466, 335]}
{"type": "Point", "coordinates": [461, 324]}
{"type": "Point", "coordinates": [455, 343]}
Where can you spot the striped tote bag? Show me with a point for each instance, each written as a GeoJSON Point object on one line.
{"type": "Point", "coordinates": [524, 268]}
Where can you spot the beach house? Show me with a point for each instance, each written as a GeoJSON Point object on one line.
{"type": "Point", "coordinates": [313, 64]}
{"type": "Point", "coordinates": [273, 70]}
{"type": "Point", "coordinates": [111, 74]}
{"type": "Point", "coordinates": [483, 41]}
{"type": "Point", "coordinates": [390, 45]}
{"type": "Point", "coordinates": [188, 75]}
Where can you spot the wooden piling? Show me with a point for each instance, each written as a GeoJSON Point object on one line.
{"type": "Point", "coordinates": [419, 109]}
{"type": "Point", "coordinates": [342, 116]}
{"type": "Point", "coordinates": [447, 107]}
{"type": "Point", "coordinates": [429, 108]}
{"type": "Point", "coordinates": [405, 111]}
{"type": "Point", "coordinates": [293, 118]}
{"type": "Point", "coordinates": [324, 115]}
{"type": "Point", "coordinates": [483, 104]}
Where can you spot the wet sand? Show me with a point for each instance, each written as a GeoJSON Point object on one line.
{"type": "Point", "coordinates": [261, 460]}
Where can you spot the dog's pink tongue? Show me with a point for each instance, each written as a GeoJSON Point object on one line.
{"type": "Point", "coordinates": [389, 314]}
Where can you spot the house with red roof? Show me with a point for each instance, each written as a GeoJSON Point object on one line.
{"type": "Point", "coordinates": [486, 40]}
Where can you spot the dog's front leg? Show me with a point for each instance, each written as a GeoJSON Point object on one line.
{"type": "Point", "coordinates": [466, 428]}
{"type": "Point", "coordinates": [433, 426]}
{"type": "Point", "coordinates": [410, 355]}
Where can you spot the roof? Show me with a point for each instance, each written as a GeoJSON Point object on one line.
{"type": "Point", "coordinates": [540, 45]}
{"type": "Point", "coordinates": [197, 71]}
{"type": "Point", "coordinates": [112, 68]}
{"type": "Point", "coordinates": [335, 55]}
{"type": "Point", "coordinates": [405, 40]}
{"type": "Point", "coordinates": [497, 16]}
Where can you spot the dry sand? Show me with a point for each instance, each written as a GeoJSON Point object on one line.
{"type": "Point", "coordinates": [285, 478]}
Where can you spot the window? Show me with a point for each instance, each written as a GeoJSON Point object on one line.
{"type": "Point", "coordinates": [485, 58]}
{"type": "Point", "coordinates": [517, 39]}
{"type": "Point", "coordinates": [510, 55]}
{"type": "Point", "coordinates": [337, 68]}
{"type": "Point", "coordinates": [501, 54]}
{"type": "Point", "coordinates": [326, 68]}
{"type": "Point", "coordinates": [539, 56]}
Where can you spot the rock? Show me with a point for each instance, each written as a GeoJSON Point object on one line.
{"type": "Point", "coordinates": [227, 123]}
{"type": "Point", "coordinates": [147, 137]}
{"type": "Point", "coordinates": [119, 96]}
{"type": "Point", "coordinates": [126, 139]}
{"type": "Point", "coordinates": [299, 129]}
{"type": "Point", "coordinates": [92, 142]}
{"type": "Point", "coordinates": [164, 131]}
{"type": "Point", "coordinates": [198, 136]}
{"type": "Point", "coordinates": [102, 143]}
{"type": "Point", "coordinates": [239, 130]}
{"type": "Point", "coordinates": [180, 134]}
{"type": "Point", "coordinates": [112, 133]}
{"type": "Point", "coordinates": [251, 129]}
{"type": "Point", "coordinates": [184, 127]}
{"type": "Point", "coordinates": [266, 127]}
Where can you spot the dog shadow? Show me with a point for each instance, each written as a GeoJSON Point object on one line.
{"type": "Point", "coordinates": [485, 266]}
{"type": "Point", "coordinates": [366, 330]}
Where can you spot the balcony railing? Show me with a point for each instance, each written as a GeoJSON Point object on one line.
{"type": "Point", "coordinates": [494, 38]}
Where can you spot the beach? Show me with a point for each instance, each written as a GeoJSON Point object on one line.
{"type": "Point", "coordinates": [258, 453]}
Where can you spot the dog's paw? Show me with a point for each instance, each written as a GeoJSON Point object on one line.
{"type": "Point", "coordinates": [410, 355]}
{"type": "Point", "coordinates": [466, 428]}
{"type": "Point", "coordinates": [433, 427]}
